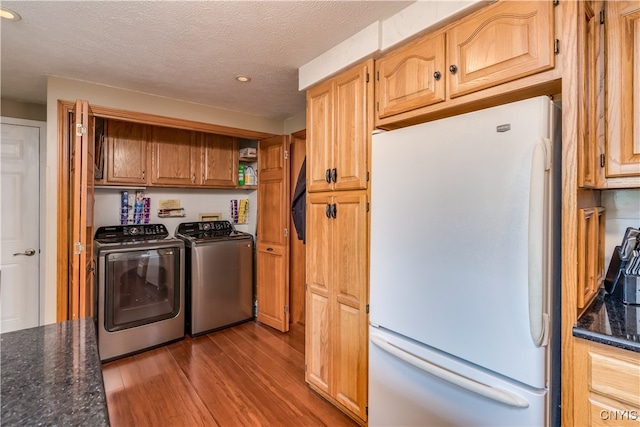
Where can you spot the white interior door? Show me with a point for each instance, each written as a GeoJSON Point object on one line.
{"type": "Point", "coordinates": [19, 227]}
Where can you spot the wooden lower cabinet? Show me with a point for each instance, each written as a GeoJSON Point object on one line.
{"type": "Point", "coordinates": [336, 299]}
{"type": "Point", "coordinates": [607, 386]}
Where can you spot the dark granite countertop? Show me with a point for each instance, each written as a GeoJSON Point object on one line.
{"type": "Point", "coordinates": [51, 375]}
{"type": "Point", "coordinates": [609, 321]}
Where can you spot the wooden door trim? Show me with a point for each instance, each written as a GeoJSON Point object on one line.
{"type": "Point", "coordinates": [62, 276]}
{"type": "Point", "coordinates": [152, 119]}
{"type": "Point", "coordinates": [301, 134]}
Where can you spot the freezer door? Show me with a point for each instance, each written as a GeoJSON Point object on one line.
{"type": "Point", "coordinates": [460, 236]}
{"type": "Point", "coordinates": [412, 385]}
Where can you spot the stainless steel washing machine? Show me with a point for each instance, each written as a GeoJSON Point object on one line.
{"type": "Point", "coordinates": [140, 289]}
{"type": "Point", "coordinates": [219, 275]}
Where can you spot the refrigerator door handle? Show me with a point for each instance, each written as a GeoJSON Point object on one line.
{"type": "Point", "coordinates": [494, 393]}
{"type": "Point", "coordinates": [538, 205]}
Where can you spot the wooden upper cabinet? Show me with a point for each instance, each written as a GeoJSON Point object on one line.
{"type": "Point", "coordinates": [139, 154]}
{"type": "Point", "coordinates": [175, 157]}
{"type": "Point", "coordinates": [622, 33]}
{"type": "Point", "coordinates": [126, 152]}
{"type": "Point", "coordinates": [353, 95]}
{"type": "Point", "coordinates": [504, 42]}
{"type": "Point", "coordinates": [411, 77]}
{"type": "Point", "coordinates": [219, 160]}
{"type": "Point", "coordinates": [320, 137]}
{"type": "Point", "coordinates": [338, 130]}
{"type": "Point", "coordinates": [591, 106]}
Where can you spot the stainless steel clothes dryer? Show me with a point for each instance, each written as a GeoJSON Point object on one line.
{"type": "Point", "coordinates": [140, 289]}
{"type": "Point", "coordinates": [219, 275]}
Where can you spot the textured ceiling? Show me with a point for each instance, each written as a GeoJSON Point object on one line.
{"type": "Point", "coordinates": [180, 49]}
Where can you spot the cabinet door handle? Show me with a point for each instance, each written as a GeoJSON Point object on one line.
{"type": "Point", "coordinates": [327, 210]}
{"type": "Point", "coordinates": [334, 210]}
{"type": "Point", "coordinates": [334, 174]}
{"type": "Point", "coordinates": [327, 175]}
{"type": "Point", "coordinates": [437, 75]}
{"type": "Point", "coordinates": [270, 249]}
{"type": "Point", "coordinates": [193, 178]}
{"type": "Point", "coordinates": [453, 69]}
{"type": "Point", "coordinates": [143, 174]}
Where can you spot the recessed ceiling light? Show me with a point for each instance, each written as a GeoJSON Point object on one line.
{"type": "Point", "coordinates": [243, 79]}
{"type": "Point", "coordinates": [9, 14]}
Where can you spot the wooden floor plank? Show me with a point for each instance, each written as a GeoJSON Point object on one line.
{"type": "Point", "coordinates": [212, 379]}
{"type": "Point", "coordinates": [157, 393]}
{"type": "Point", "coordinates": [248, 375]}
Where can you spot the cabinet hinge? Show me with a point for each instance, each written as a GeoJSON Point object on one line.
{"type": "Point", "coordinates": [367, 79]}
{"type": "Point", "coordinates": [378, 76]}
{"type": "Point", "coordinates": [367, 308]}
{"type": "Point", "coordinates": [601, 160]}
{"type": "Point", "coordinates": [366, 208]}
{"type": "Point", "coordinates": [305, 367]}
{"type": "Point", "coordinates": [286, 232]}
{"type": "Point", "coordinates": [366, 409]}
{"type": "Point", "coordinates": [286, 154]}
{"type": "Point", "coordinates": [286, 309]}
{"type": "Point", "coordinates": [556, 2]}
{"type": "Point", "coordinates": [556, 47]}
{"type": "Point", "coordinates": [377, 106]}
{"type": "Point", "coordinates": [602, 16]}
{"type": "Point", "coordinates": [367, 176]}
{"type": "Point", "coordinates": [305, 286]}
{"type": "Point", "coordinates": [80, 130]}
{"type": "Point", "coordinates": [78, 248]}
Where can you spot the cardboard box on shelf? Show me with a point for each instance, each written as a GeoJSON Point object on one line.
{"type": "Point", "coordinates": [248, 152]}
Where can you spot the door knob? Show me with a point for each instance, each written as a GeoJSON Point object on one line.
{"type": "Point", "coordinates": [28, 252]}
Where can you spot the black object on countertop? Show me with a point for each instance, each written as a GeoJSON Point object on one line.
{"type": "Point", "coordinates": [609, 321]}
{"type": "Point", "coordinates": [623, 274]}
{"type": "Point", "coordinates": [51, 375]}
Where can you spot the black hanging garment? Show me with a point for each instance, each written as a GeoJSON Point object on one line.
{"type": "Point", "coordinates": [299, 202]}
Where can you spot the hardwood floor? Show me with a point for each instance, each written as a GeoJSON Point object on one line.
{"type": "Point", "coordinates": [248, 375]}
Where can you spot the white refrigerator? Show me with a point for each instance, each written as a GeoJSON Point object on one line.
{"type": "Point", "coordinates": [464, 272]}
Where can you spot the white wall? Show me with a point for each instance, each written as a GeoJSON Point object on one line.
{"type": "Point", "coordinates": [69, 90]}
{"type": "Point", "coordinates": [194, 202]}
{"type": "Point", "coordinates": [295, 123]}
{"type": "Point", "coordinates": [622, 210]}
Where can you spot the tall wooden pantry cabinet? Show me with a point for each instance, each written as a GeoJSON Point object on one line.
{"type": "Point", "coordinates": [339, 125]}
